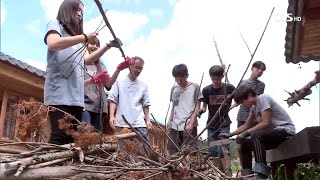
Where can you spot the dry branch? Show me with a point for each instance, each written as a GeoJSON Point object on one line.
{"type": "Point", "coordinates": [52, 156]}
{"type": "Point", "coordinates": [304, 91]}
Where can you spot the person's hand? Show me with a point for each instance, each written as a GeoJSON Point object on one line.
{"type": "Point", "coordinates": [117, 43]}
{"type": "Point", "coordinates": [149, 124]}
{"type": "Point", "coordinates": [112, 121]}
{"type": "Point", "coordinates": [189, 126]}
{"type": "Point", "coordinates": [100, 77]}
{"type": "Point", "coordinates": [125, 64]}
{"type": "Point", "coordinates": [168, 126]}
{"type": "Point", "coordinates": [91, 37]}
{"type": "Point", "coordinates": [200, 112]}
{"type": "Point", "coordinates": [242, 136]}
{"type": "Point", "coordinates": [224, 135]}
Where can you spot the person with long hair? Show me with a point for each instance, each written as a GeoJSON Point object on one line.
{"type": "Point", "coordinates": [64, 83]}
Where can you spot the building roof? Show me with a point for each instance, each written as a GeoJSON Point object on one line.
{"type": "Point", "coordinates": [21, 64]}
{"type": "Point", "coordinates": [302, 35]}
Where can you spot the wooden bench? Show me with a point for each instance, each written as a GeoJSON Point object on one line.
{"type": "Point", "coordinates": [301, 148]}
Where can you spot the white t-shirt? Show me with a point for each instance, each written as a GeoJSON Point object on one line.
{"type": "Point", "coordinates": [131, 97]}
{"type": "Point", "coordinates": [184, 101]}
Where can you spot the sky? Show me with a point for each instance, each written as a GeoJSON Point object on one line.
{"type": "Point", "coordinates": [169, 32]}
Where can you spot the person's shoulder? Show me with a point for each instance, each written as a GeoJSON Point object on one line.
{"type": "Point", "coordinates": [230, 86]}
{"type": "Point", "coordinates": [243, 81]}
{"type": "Point", "coordinates": [264, 96]}
{"type": "Point", "coordinates": [194, 84]}
{"type": "Point", "coordinates": [207, 87]}
{"type": "Point", "coordinates": [141, 83]}
{"type": "Point", "coordinates": [123, 80]}
{"type": "Point", "coordinates": [53, 22]}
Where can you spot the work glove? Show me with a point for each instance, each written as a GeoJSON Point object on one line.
{"type": "Point", "coordinates": [242, 136]}
{"type": "Point", "coordinates": [100, 77]}
{"type": "Point", "coordinates": [224, 135]}
{"type": "Point", "coordinates": [125, 64]}
{"type": "Point", "coordinates": [117, 43]}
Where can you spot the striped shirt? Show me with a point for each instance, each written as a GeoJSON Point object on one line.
{"type": "Point", "coordinates": [258, 87]}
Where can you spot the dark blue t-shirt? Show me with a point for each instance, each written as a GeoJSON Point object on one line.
{"type": "Point", "coordinates": [214, 97]}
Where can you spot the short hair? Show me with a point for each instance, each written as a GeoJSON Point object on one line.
{"type": "Point", "coordinates": [242, 93]}
{"type": "Point", "coordinates": [259, 65]}
{"type": "Point", "coordinates": [136, 58]}
{"type": "Point", "coordinates": [216, 71]}
{"type": "Point", "coordinates": [180, 70]}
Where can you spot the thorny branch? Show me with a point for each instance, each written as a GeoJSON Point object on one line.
{"type": "Point", "coordinates": [303, 92]}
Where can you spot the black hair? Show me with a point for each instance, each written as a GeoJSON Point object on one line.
{"type": "Point", "coordinates": [180, 70]}
{"type": "Point", "coordinates": [67, 16]}
{"type": "Point", "coordinates": [259, 65]}
{"type": "Point", "coordinates": [242, 93]}
{"type": "Point", "coordinates": [216, 71]}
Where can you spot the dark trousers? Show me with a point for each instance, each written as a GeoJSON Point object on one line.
{"type": "Point", "coordinates": [259, 142]}
{"type": "Point", "coordinates": [58, 136]}
{"type": "Point", "coordinates": [93, 118]}
{"type": "Point", "coordinates": [180, 138]}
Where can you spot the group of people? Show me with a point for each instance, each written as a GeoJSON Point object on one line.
{"type": "Point", "coordinates": [76, 79]}
{"type": "Point", "coordinates": [75, 83]}
{"type": "Point", "coordinates": [262, 123]}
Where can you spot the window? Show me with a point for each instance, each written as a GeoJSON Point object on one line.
{"type": "Point", "coordinates": [10, 119]}
{"type": "Point", "coordinates": [1, 99]}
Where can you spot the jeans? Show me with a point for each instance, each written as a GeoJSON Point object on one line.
{"type": "Point", "coordinates": [93, 118]}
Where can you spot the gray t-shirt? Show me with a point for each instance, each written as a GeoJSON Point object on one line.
{"type": "Point", "coordinates": [92, 91]}
{"type": "Point", "coordinates": [184, 100]}
{"type": "Point", "coordinates": [280, 119]}
{"type": "Point", "coordinates": [64, 83]}
{"type": "Point", "coordinates": [131, 97]}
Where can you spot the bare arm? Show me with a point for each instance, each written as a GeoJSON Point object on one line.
{"type": "Point", "coordinates": [96, 55]}
{"type": "Point", "coordinates": [195, 113]}
{"type": "Point", "coordinates": [147, 116]}
{"type": "Point", "coordinates": [146, 113]}
{"type": "Point", "coordinates": [171, 114]}
{"type": "Point", "coordinates": [56, 43]}
{"type": "Point", "coordinates": [113, 107]}
{"type": "Point", "coordinates": [264, 123]}
{"type": "Point", "coordinates": [113, 79]}
{"type": "Point", "coordinates": [168, 125]}
{"type": "Point", "coordinates": [248, 123]}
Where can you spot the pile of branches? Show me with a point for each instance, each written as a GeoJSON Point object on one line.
{"type": "Point", "coordinates": [94, 155]}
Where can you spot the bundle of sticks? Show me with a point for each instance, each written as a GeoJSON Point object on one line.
{"type": "Point", "coordinates": [94, 155]}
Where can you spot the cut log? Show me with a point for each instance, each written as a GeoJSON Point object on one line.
{"type": "Point", "coordinates": [44, 173]}
{"type": "Point", "coordinates": [6, 168]}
